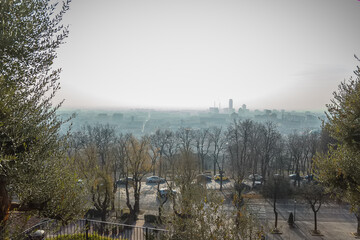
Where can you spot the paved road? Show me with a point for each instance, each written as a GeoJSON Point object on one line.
{"type": "Point", "coordinates": [334, 221]}
{"type": "Point", "coordinates": [328, 212]}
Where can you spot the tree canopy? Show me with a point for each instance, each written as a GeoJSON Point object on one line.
{"type": "Point", "coordinates": [339, 168]}
{"type": "Point", "coordinates": [33, 166]}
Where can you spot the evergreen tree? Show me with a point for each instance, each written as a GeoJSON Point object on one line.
{"type": "Point", "coordinates": [339, 169]}
{"type": "Point", "coordinates": [33, 165]}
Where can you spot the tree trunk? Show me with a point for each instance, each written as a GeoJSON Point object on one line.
{"type": "Point", "coordinates": [113, 195]}
{"type": "Point", "coordinates": [102, 225]}
{"type": "Point", "coordinates": [315, 221]}
{"type": "Point", "coordinates": [132, 216]}
{"type": "Point", "coordinates": [4, 205]}
{"type": "Point", "coordinates": [221, 180]}
{"type": "Point", "coordinates": [160, 167]}
{"type": "Point", "coordinates": [276, 214]}
{"type": "Point", "coordinates": [358, 224]}
{"type": "Point", "coordinates": [103, 215]}
{"type": "Point", "coordinates": [214, 167]}
{"type": "Point", "coordinates": [137, 203]}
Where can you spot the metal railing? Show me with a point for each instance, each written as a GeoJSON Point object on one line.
{"type": "Point", "coordinates": [89, 229]}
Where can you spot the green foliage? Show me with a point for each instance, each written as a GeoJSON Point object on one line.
{"type": "Point", "coordinates": [82, 236]}
{"type": "Point", "coordinates": [33, 160]}
{"type": "Point", "coordinates": [339, 168]}
{"type": "Point", "coordinates": [339, 171]}
{"type": "Point", "coordinates": [208, 220]}
{"type": "Point", "coordinates": [344, 113]}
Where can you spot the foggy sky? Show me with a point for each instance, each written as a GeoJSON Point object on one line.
{"type": "Point", "coordinates": [275, 54]}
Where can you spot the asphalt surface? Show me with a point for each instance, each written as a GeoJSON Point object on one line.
{"type": "Point", "coordinates": [335, 221]}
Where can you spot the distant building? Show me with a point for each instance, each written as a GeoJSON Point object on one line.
{"type": "Point", "coordinates": [243, 111]}
{"type": "Point", "coordinates": [118, 116]}
{"type": "Point", "coordinates": [231, 104]}
{"type": "Point", "coordinates": [102, 115]}
{"type": "Point", "coordinates": [214, 110]}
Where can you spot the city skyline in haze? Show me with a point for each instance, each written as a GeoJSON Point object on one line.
{"type": "Point", "coordinates": [280, 54]}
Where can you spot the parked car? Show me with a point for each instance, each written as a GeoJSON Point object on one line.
{"type": "Point", "coordinates": [294, 176]}
{"type": "Point", "coordinates": [257, 184]}
{"type": "Point", "coordinates": [217, 178]}
{"type": "Point", "coordinates": [309, 177]}
{"type": "Point", "coordinates": [155, 179]}
{"type": "Point", "coordinates": [121, 181]}
{"type": "Point", "coordinates": [255, 176]}
{"type": "Point", "coordinates": [202, 178]}
{"type": "Point", "coordinates": [165, 192]}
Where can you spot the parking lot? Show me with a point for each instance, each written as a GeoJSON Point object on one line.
{"type": "Point", "coordinates": [149, 199]}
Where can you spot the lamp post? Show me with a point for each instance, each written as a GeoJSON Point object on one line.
{"type": "Point", "coordinates": [294, 208]}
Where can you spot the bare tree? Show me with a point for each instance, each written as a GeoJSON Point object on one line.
{"type": "Point", "coordinates": [238, 139]}
{"type": "Point", "coordinates": [119, 154]}
{"type": "Point", "coordinates": [103, 137]}
{"type": "Point", "coordinates": [186, 171]}
{"type": "Point", "coordinates": [281, 159]}
{"type": "Point", "coordinates": [276, 187]}
{"type": "Point", "coordinates": [170, 150]}
{"type": "Point", "coordinates": [96, 179]}
{"type": "Point", "coordinates": [137, 163]}
{"type": "Point", "coordinates": [218, 145]}
{"type": "Point", "coordinates": [202, 143]}
{"type": "Point", "coordinates": [296, 151]}
{"type": "Point", "coordinates": [101, 192]}
{"type": "Point", "coordinates": [269, 142]}
{"type": "Point", "coordinates": [315, 195]}
{"type": "Point", "coordinates": [185, 139]}
{"type": "Point", "coordinates": [158, 144]}
{"type": "Point", "coordinates": [311, 146]}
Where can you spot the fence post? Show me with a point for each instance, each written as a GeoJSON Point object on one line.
{"type": "Point", "coordinates": [86, 229]}
{"type": "Point", "coordinates": [146, 233]}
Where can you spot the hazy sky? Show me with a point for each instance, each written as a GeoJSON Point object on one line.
{"type": "Point", "coordinates": [274, 54]}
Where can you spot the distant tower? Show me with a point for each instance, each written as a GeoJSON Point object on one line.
{"type": "Point", "coordinates": [230, 104]}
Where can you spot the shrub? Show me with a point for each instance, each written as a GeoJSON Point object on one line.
{"type": "Point", "coordinates": [125, 216]}
{"type": "Point", "coordinates": [93, 213]}
{"type": "Point", "coordinates": [149, 218]}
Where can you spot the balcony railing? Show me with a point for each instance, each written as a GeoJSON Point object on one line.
{"type": "Point", "coordinates": [93, 229]}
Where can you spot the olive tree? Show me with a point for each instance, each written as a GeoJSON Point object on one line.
{"type": "Point", "coordinates": [33, 163]}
